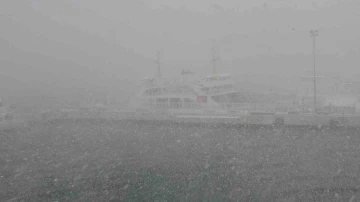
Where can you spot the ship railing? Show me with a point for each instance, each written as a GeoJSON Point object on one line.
{"type": "Point", "coordinates": [338, 109]}
{"type": "Point", "coordinates": [250, 107]}
{"type": "Point", "coordinates": [177, 105]}
{"type": "Point", "coordinates": [237, 107]}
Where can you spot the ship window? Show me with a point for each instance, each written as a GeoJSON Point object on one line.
{"type": "Point", "coordinates": [211, 78]}
{"type": "Point", "coordinates": [175, 100]}
{"type": "Point", "coordinates": [188, 100]}
{"type": "Point", "coordinates": [162, 100]}
{"type": "Point", "coordinates": [205, 89]}
{"type": "Point", "coordinates": [152, 91]}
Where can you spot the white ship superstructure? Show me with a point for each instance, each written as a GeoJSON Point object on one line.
{"type": "Point", "coordinates": [161, 92]}
{"type": "Point", "coordinates": [187, 92]}
{"type": "Point", "coordinates": [213, 100]}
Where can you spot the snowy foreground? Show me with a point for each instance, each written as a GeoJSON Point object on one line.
{"type": "Point", "coordinates": [97, 161]}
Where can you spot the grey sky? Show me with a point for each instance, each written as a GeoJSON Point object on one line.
{"type": "Point", "coordinates": [90, 33]}
{"type": "Point", "coordinates": [190, 25]}
{"type": "Point", "coordinates": [184, 25]}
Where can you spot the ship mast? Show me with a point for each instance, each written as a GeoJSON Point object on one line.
{"type": "Point", "coordinates": [158, 63]}
{"type": "Point", "coordinates": [214, 59]}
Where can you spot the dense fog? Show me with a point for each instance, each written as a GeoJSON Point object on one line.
{"type": "Point", "coordinates": [51, 47]}
{"type": "Point", "coordinates": [71, 73]}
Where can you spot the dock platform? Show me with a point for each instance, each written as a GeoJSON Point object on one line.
{"type": "Point", "coordinates": [206, 117]}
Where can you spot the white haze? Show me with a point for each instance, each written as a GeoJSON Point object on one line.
{"type": "Point", "coordinates": [75, 47]}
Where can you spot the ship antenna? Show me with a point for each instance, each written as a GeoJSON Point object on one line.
{"type": "Point", "coordinates": [214, 59]}
{"type": "Point", "coordinates": [158, 63]}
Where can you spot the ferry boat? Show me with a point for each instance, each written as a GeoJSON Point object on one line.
{"type": "Point", "coordinates": [214, 99]}
{"type": "Point", "coordinates": [189, 94]}
{"type": "Point", "coordinates": [211, 99]}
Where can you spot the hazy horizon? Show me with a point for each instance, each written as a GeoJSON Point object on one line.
{"type": "Point", "coordinates": [108, 46]}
